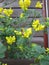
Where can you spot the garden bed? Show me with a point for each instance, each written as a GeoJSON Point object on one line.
{"type": "Point", "coordinates": [17, 61]}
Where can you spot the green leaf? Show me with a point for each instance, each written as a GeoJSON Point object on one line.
{"type": "Point", "coordinates": [2, 50]}
{"type": "Point", "coordinates": [43, 62]}
{"type": "Point", "coordinates": [2, 55]}
{"type": "Point", "coordinates": [1, 27]}
{"type": "Point", "coordinates": [21, 40]}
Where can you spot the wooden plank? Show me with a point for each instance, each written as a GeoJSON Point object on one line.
{"type": "Point", "coordinates": [26, 22]}
{"type": "Point", "coordinates": [38, 34]}
{"type": "Point", "coordinates": [38, 40]}
{"type": "Point", "coordinates": [15, 4]}
{"type": "Point", "coordinates": [17, 12]}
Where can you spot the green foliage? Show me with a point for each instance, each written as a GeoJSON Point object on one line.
{"type": "Point", "coordinates": [18, 44]}
{"type": "Point", "coordinates": [41, 57]}
{"type": "Point", "coordinates": [2, 50]}
{"type": "Point", "coordinates": [47, 22]}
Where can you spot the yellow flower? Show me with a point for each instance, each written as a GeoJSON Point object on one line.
{"type": "Point", "coordinates": [24, 33]}
{"type": "Point", "coordinates": [10, 40]}
{"type": "Point", "coordinates": [1, 9]}
{"type": "Point", "coordinates": [24, 4]}
{"type": "Point", "coordinates": [37, 26]}
{"type": "Point", "coordinates": [29, 30]}
{"type": "Point", "coordinates": [8, 12]}
{"type": "Point", "coordinates": [27, 33]}
{"type": "Point", "coordinates": [21, 15]}
{"type": "Point", "coordinates": [27, 3]}
{"type": "Point", "coordinates": [34, 26]}
{"type": "Point", "coordinates": [47, 50]}
{"type": "Point", "coordinates": [4, 64]}
{"type": "Point", "coordinates": [5, 11]}
{"type": "Point", "coordinates": [36, 22]}
{"type": "Point", "coordinates": [38, 4]}
{"type": "Point", "coordinates": [21, 4]}
{"type": "Point", "coordinates": [17, 32]}
{"type": "Point", "coordinates": [41, 27]}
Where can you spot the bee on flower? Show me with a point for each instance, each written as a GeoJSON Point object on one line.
{"type": "Point", "coordinates": [24, 33]}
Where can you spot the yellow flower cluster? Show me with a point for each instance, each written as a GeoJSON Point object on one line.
{"type": "Point", "coordinates": [10, 40]}
{"type": "Point", "coordinates": [17, 32]}
{"type": "Point", "coordinates": [1, 9]}
{"type": "Point", "coordinates": [24, 4]}
{"type": "Point", "coordinates": [47, 50]}
{"type": "Point", "coordinates": [4, 64]}
{"type": "Point", "coordinates": [25, 33]}
{"type": "Point", "coordinates": [38, 4]}
{"type": "Point", "coordinates": [21, 15]}
{"type": "Point", "coordinates": [7, 12]}
{"type": "Point", "coordinates": [37, 26]}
